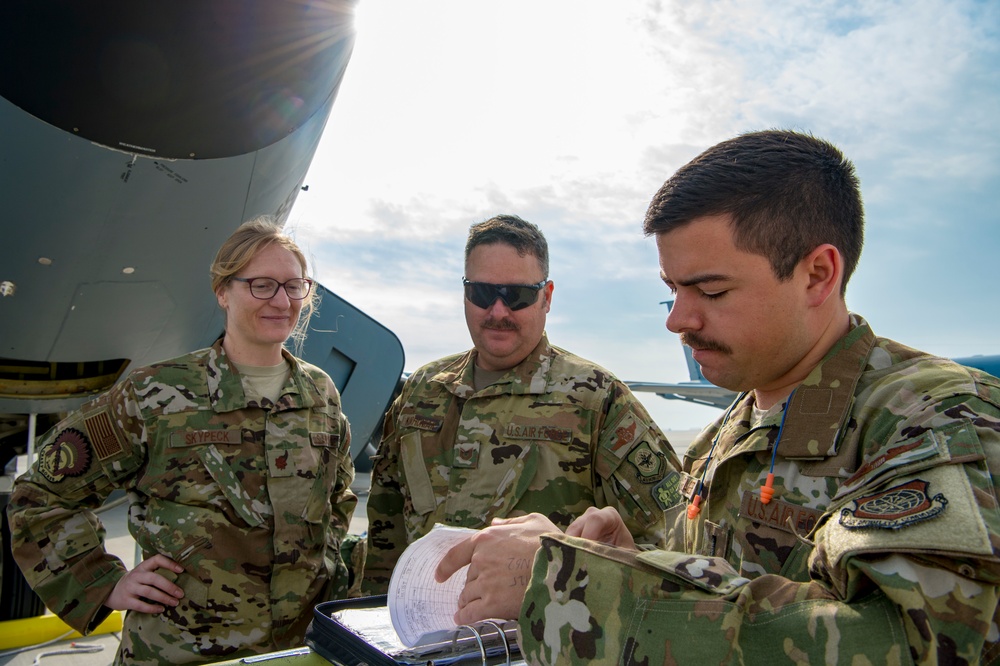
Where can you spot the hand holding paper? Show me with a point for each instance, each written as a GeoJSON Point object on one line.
{"type": "Point", "coordinates": [499, 558]}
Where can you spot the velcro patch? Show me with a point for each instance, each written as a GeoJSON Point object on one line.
{"type": "Point", "coordinates": [964, 531]}
{"type": "Point", "coordinates": [895, 508]}
{"type": "Point", "coordinates": [539, 432]}
{"type": "Point", "coordinates": [324, 439]}
{"type": "Point", "coordinates": [667, 492]}
{"type": "Point", "coordinates": [627, 432]}
{"type": "Point", "coordinates": [428, 423]}
{"type": "Point", "coordinates": [779, 514]}
{"type": "Point", "coordinates": [207, 437]}
{"type": "Point", "coordinates": [647, 462]}
{"type": "Point", "coordinates": [104, 436]}
{"type": "Point", "coordinates": [882, 459]}
{"type": "Point", "coordinates": [67, 455]}
{"type": "Point", "coordinates": [466, 455]}
{"type": "Point", "coordinates": [688, 486]}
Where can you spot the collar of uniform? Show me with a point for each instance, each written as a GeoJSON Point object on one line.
{"type": "Point", "coordinates": [822, 402]}
{"type": "Point", "coordinates": [733, 435]}
{"type": "Point", "coordinates": [530, 376]}
{"type": "Point", "coordinates": [303, 392]}
{"type": "Point", "coordinates": [225, 389]}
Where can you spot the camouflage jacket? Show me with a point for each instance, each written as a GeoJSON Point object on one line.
{"type": "Point", "coordinates": [556, 434]}
{"type": "Point", "coordinates": [253, 502]}
{"type": "Point", "coordinates": [880, 545]}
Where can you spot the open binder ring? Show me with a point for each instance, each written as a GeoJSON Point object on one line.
{"type": "Point", "coordinates": [479, 639]}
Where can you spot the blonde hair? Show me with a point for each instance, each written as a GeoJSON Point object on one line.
{"type": "Point", "coordinates": [243, 245]}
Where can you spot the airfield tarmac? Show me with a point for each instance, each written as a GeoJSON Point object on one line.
{"type": "Point", "coordinates": [120, 542]}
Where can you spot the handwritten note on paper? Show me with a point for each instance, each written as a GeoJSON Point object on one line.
{"type": "Point", "coordinates": [418, 604]}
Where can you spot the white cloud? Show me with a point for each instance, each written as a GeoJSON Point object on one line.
{"type": "Point", "coordinates": [572, 113]}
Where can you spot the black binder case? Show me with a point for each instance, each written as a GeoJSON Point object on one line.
{"type": "Point", "coordinates": [488, 642]}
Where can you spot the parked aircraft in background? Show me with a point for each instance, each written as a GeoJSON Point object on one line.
{"type": "Point", "coordinates": [703, 392]}
{"type": "Point", "coordinates": [990, 364]}
{"type": "Point", "coordinates": [134, 138]}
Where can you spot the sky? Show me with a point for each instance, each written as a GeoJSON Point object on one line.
{"type": "Point", "coordinates": [572, 113]}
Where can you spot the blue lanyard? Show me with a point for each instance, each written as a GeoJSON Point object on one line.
{"type": "Point", "coordinates": [767, 490]}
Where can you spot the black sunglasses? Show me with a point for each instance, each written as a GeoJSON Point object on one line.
{"type": "Point", "coordinates": [515, 296]}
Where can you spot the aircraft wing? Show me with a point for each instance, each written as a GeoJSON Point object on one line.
{"type": "Point", "coordinates": [134, 138]}
{"type": "Point", "coordinates": [990, 364]}
{"type": "Point", "coordinates": [701, 393]}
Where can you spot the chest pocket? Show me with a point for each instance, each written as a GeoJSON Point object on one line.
{"type": "Point", "coordinates": [470, 496]}
{"type": "Point", "coordinates": [766, 538]}
{"type": "Point", "coordinates": [230, 485]}
{"type": "Point", "coordinates": [324, 456]}
{"type": "Point", "coordinates": [773, 541]}
{"type": "Point", "coordinates": [524, 464]}
{"type": "Point", "coordinates": [195, 467]}
{"type": "Point", "coordinates": [494, 489]}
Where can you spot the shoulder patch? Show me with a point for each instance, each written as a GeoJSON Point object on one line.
{"type": "Point", "coordinates": [628, 431]}
{"type": "Point", "coordinates": [67, 455]}
{"type": "Point", "coordinates": [646, 462]}
{"type": "Point", "coordinates": [104, 435]}
{"type": "Point", "coordinates": [895, 508]}
{"type": "Point", "coordinates": [667, 492]}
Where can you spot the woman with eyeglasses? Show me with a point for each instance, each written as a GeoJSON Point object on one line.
{"type": "Point", "coordinates": [236, 461]}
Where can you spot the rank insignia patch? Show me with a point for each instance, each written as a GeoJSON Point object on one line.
{"type": "Point", "coordinates": [67, 455]}
{"type": "Point", "coordinates": [466, 455]}
{"type": "Point", "coordinates": [897, 507]}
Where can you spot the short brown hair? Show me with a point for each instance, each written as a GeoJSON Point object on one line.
{"type": "Point", "coordinates": [523, 236]}
{"type": "Point", "coordinates": [787, 193]}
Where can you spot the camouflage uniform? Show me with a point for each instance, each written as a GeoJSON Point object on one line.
{"type": "Point", "coordinates": [880, 545]}
{"type": "Point", "coordinates": [554, 435]}
{"type": "Point", "coordinates": [252, 500]}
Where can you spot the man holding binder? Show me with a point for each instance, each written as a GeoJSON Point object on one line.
{"type": "Point", "coordinates": [514, 425]}
{"type": "Point", "coordinates": [844, 508]}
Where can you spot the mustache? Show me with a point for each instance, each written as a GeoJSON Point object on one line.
{"type": "Point", "coordinates": [695, 341]}
{"type": "Point", "coordinates": [503, 324]}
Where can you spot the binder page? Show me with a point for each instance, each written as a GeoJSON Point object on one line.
{"type": "Point", "coordinates": [417, 603]}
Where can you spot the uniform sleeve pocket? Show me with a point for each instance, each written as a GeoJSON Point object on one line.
{"type": "Point", "coordinates": [630, 462]}
{"type": "Point", "coordinates": [418, 481]}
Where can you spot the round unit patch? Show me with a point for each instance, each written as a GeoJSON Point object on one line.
{"type": "Point", "coordinates": [67, 455]}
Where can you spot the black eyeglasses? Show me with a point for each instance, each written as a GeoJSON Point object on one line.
{"type": "Point", "coordinates": [515, 296]}
{"type": "Point", "coordinates": [266, 288]}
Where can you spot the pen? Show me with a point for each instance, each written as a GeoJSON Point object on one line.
{"type": "Point", "coordinates": [294, 652]}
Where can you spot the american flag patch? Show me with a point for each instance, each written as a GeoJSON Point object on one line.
{"type": "Point", "coordinates": [103, 436]}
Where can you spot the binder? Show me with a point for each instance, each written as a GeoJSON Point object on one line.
{"type": "Point", "coordinates": [357, 632]}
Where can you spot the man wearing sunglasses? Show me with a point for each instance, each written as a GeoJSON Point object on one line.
{"type": "Point", "coordinates": [514, 425]}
